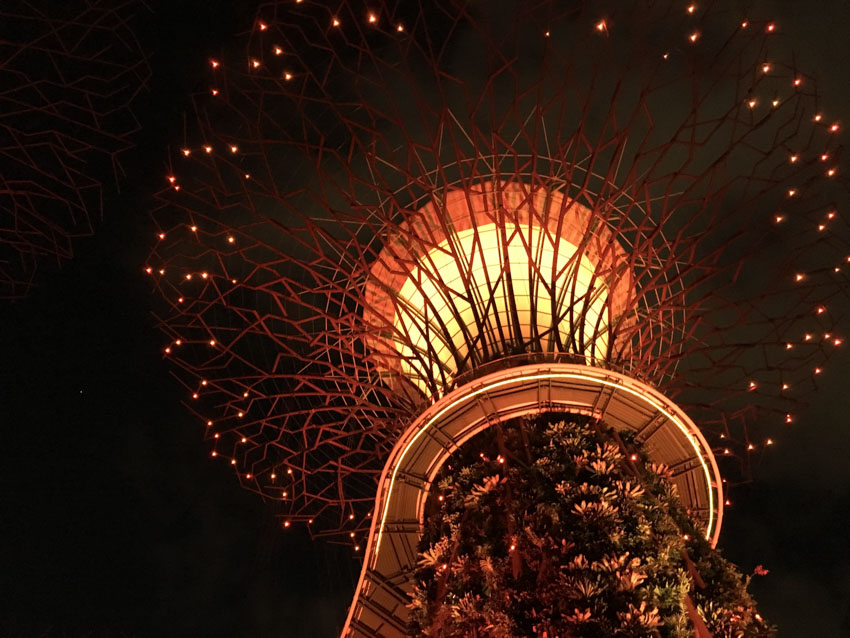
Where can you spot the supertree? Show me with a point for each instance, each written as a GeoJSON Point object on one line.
{"type": "Point", "coordinates": [399, 226]}
{"type": "Point", "coordinates": [69, 74]}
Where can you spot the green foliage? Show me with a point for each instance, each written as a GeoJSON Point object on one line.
{"type": "Point", "coordinates": [550, 529]}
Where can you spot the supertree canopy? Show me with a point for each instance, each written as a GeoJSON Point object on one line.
{"type": "Point", "coordinates": [69, 73]}
{"type": "Point", "coordinates": [401, 224]}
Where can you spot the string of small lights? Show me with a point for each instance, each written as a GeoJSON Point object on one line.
{"type": "Point", "coordinates": [684, 129]}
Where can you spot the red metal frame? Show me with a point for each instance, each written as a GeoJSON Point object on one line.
{"type": "Point", "coordinates": [69, 74]}
{"type": "Point", "coordinates": [321, 145]}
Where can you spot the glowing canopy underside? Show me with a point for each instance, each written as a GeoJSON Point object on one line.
{"type": "Point", "coordinates": [491, 270]}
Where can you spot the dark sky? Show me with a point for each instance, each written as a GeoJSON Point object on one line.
{"type": "Point", "coordinates": [113, 520]}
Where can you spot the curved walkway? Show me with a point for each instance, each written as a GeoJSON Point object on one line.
{"type": "Point", "coordinates": [670, 437]}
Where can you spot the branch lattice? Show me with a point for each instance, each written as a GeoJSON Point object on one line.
{"type": "Point", "coordinates": [318, 178]}
{"type": "Point", "coordinates": [69, 74]}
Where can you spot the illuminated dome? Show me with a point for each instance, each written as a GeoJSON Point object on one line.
{"type": "Point", "coordinates": [492, 270]}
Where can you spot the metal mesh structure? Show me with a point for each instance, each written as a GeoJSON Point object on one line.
{"type": "Point", "coordinates": [335, 159]}
{"type": "Point", "coordinates": [69, 73]}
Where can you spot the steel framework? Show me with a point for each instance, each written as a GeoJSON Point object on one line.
{"type": "Point", "coordinates": [69, 73]}
{"type": "Point", "coordinates": [678, 140]}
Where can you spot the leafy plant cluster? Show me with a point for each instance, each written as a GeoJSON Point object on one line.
{"type": "Point", "coordinates": [563, 528]}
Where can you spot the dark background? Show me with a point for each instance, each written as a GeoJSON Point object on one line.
{"type": "Point", "coordinates": [113, 520]}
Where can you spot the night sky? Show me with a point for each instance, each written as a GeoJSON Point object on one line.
{"type": "Point", "coordinates": [113, 519]}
